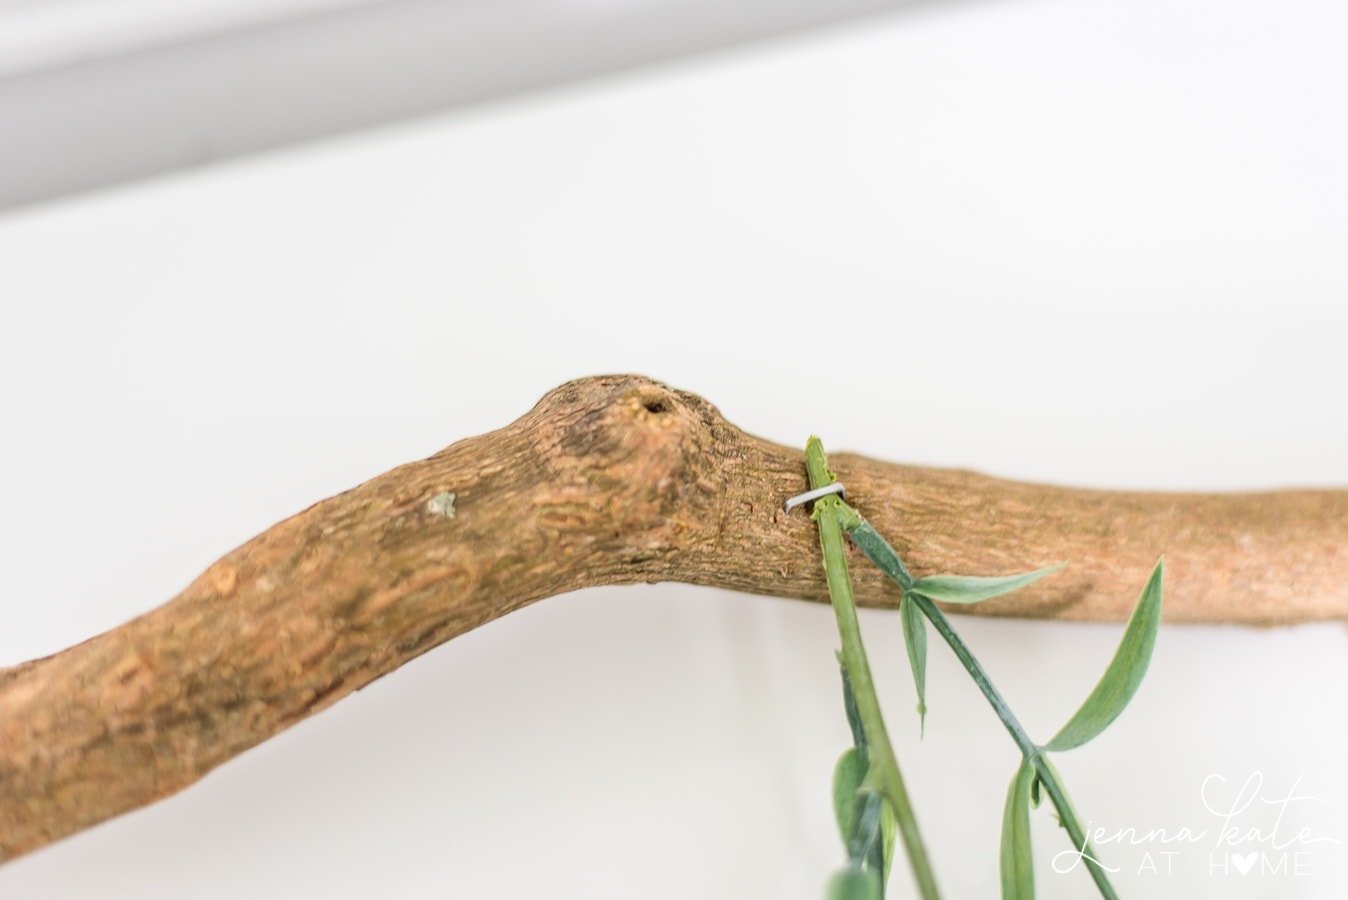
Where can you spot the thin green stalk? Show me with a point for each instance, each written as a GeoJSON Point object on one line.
{"type": "Point", "coordinates": [887, 559]}
{"type": "Point", "coordinates": [884, 775]}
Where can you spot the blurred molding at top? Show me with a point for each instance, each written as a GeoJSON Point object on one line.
{"type": "Point", "coordinates": [98, 92]}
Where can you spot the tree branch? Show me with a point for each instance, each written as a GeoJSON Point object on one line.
{"type": "Point", "coordinates": [611, 480]}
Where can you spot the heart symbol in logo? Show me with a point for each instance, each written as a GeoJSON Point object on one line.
{"type": "Point", "coordinates": [1244, 863]}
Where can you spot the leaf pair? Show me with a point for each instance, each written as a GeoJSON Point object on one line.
{"type": "Point", "coordinates": [1105, 703]}
{"type": "Point", "coordinates": [1017, 860]}
{"type": "Point", "coordinates": [947, 589]}
{"type": "Point", "coordinates": [865, 818]}
{"type": "Point", "coordinates": [866, 821]}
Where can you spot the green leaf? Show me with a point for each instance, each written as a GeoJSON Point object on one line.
{"type": "Point", "coordinates": [1017, 861]}
{"type": "Point", "coordinates": [1120, 681]}
{"type": "Point", "coordinates": [915, 639]}
{"type": "Point", "coordinates": [972, 588]}
{"type": "Point", "coordinates": [847, 777]}
{"type": "Point", "coordinates": [865, 844]}
{"type": "Point", "coordinates": [861, 815]}
{"type": "Point", "coordinates": [889, 836]}
{"type": "Point", "coordinates": [855, 884]}
{"type": "Point", "coordinates": [853, 714]}
{"type": "Point", "coordinates": [876, 548]}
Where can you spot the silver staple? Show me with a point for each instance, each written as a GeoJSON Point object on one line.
{"type": "Point", "coordinates": [801, 499]}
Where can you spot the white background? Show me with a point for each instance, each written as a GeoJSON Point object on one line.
{"type": "Point", "coordinates": [1092, 243]}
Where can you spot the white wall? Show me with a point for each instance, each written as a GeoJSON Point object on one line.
{"type": "Point", "coordinates": [1092, 243]}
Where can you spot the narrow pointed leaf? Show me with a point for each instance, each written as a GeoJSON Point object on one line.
{"type": "Point", "coordinates": [1120, 681]}
{"type": "Point", "coordinates": [1017, 862]}
{"type": "Point", "coordinates": [975, 589]}
{"type": "Point", "coordinates": [847, 777]}
{"type": "Point", "coordinates": [855, 884]}
{"type": "Point", "coordinates": [915, 639]}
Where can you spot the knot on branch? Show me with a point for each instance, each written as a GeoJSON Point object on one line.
{"type": "Point", "coordinates": [631, 456]}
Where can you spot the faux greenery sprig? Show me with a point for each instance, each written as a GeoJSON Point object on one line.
{"type": "Point", "coordinates": [870, 799]}
{"type": "Point", "coordinates": [868, 787]}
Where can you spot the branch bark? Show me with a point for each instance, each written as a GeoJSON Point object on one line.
{"type": "Point", "coordinates": [610, 480]}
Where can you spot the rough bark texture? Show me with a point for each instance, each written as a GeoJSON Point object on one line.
{"type": "Point", "coordinates": [606, 481]}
